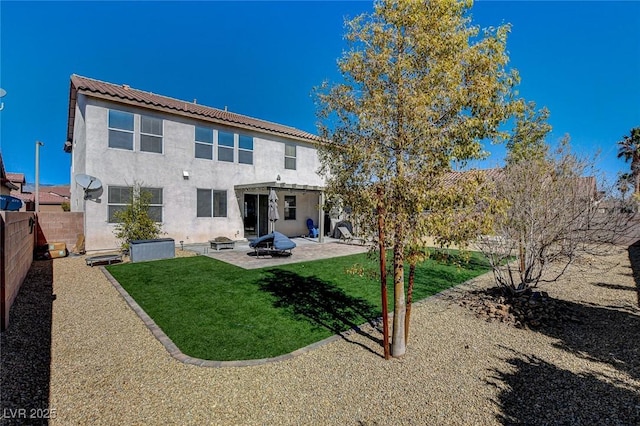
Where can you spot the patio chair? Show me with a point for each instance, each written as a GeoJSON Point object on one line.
{"type": "Point", "coordinates": [347, 237]}
{"type": "Point", "coordinates": [313, 229]}
{"type": "Point", "coordinates": [273, 244]}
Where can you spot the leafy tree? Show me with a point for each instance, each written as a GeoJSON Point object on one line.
{"type": "Point", "coordinates": [527, 143]}
{"type": "Point", "coordinates": [461, 207]}
{"type": "Point", "coordinates": [134, 221]}
{"type": "Point", "coordinates": [421, 89]}
{"type": "Point", "coordinates": [629, 150]}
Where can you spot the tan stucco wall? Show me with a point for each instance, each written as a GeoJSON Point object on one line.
{"type": "Point", "coordinates": [118, 167]}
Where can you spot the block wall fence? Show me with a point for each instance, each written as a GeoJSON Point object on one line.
{"type": "Point", "coordinates": [60, 227]}
{"type": "Point", "coordinates": [20, 234]}
{"type": "Point", "coordinates": [17, 241]}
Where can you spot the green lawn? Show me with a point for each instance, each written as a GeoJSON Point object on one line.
{"type": "Point", "coordinates": [216, 311]}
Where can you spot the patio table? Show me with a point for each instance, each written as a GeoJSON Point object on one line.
{"type": "Point", "coordinates": [219, 243]}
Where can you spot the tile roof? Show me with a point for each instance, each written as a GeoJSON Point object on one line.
{"type": "Point", "coordinates": [586, 186]}
{"type": "Point", "coordinates": [4, 179]}
{"type": "Point", "coordinates": [16, 177]}
{"type": "Point", "coordinates": [24, 196]}
{"type": "Point", "coordinates": [48, 194]}
{"type": "Point", "coordinates": [127, 95]}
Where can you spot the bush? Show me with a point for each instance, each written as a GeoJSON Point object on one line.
{"type": "Point", "coordinates": [134, 221]}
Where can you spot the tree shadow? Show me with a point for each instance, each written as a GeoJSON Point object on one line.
{"type": "Point", "coordinates": [321, 303]}
{"type": "Point", "coordinates": [540, 393]}
{"type": "Point", "coordinates": [602, 334]}
{"type": "Point", "coordinates": [614, 286]}
{"type": "Point", "coordinates": [634, 258]}
{"type": "Point", "coordinates": [25, 348]}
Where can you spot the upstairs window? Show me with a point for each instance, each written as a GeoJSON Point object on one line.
{"type": "Point", "coordinates": [120, 129]}
{"type": "Point", "coordinates": [204, 143]}
{"type": "Point", "coordinates": [290, 157]}
{"type": "Point", "coordinates": [245, 149]}
{"type": "Point", "coordinates": [150, 134]}
{"type": "Point", "coordinates": [225, 146]}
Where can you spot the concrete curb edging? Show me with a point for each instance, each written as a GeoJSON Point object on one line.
{"type": "Point", "coordinates": [176, 353]}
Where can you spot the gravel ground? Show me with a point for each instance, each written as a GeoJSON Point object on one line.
{"type": "Point", "coordinates": [107, 368]}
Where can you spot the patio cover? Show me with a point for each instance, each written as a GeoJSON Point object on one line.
{"type": "Point", "coordinates": [268, 186]}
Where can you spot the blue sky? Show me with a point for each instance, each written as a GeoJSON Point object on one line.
{"type": "Point", "coordinates": [579, 59]}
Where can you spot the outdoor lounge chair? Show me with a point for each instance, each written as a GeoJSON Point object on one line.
{"type": "Point", "coordinates": [346, 236]}
{"type": "Point", "coordinates": [273, 244]}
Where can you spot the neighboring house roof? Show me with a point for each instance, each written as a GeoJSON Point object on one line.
{"type": "Point", "coordinates": [586, 185]}
{"type": "Point", "coordinates": [4, 176]}
{"type": "Point", "coordinates": [27, 197]}
{"type": "Point", "coordinates": [48, 194]}
{"type": "Point", "coordinates": [127, 95]}
{"type": "Point", "coordinates": [54, 194]}
{"type": "Point", "coordinates": [16, 177]}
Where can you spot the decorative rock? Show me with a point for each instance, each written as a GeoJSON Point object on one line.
{"type": "Point", "coordinates": [532, 309]}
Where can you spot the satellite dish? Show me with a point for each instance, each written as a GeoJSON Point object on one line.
{"type": "Point", "coordinates": [89, 183]}
{"type": "Point", "coordinates": [7, 202]}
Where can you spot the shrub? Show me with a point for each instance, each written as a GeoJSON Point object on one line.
{"type": "Point", "coordinates": [134, 221]}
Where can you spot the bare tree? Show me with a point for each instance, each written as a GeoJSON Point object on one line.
{"type": "Point", "coordinates": [555, 213]}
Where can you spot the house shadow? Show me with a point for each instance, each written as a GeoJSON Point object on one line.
{"type": "Point", "coordinates": [25, 349]}
{"type": "Point", "coordinates": [634, 258]}
{"type": "Point", "coordinates": [535, 392]}
{"type": "Point", "coordinates": [320, 303]}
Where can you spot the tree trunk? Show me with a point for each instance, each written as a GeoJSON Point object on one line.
{"type": "Point", "coordinates": [383, 277]}
{"type": "Point", "coordinates": [398, 345]}
{"type": "Point", "coordinates": [407, 319]}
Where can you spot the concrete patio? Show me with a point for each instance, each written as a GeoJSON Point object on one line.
{"type": "Point", "coordinates": [307, 249]}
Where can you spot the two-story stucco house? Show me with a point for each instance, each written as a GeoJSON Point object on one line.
{"type": "Point", "coordinates": [209, 170]}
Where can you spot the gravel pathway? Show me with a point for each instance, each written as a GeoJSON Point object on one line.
{"type": "Point", "coordinates": [107, 368]}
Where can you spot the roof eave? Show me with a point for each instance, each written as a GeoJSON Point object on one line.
{"type": "Point", "coordinates": [71, 117]}
{"type": "Point", "coordinates": [10, 185]}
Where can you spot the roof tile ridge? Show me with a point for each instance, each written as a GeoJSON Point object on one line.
{"type": "Point", "coordinates": [133, 89]}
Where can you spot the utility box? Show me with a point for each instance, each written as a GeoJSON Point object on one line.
{"type": "Point", "coordinates": [161, 248]}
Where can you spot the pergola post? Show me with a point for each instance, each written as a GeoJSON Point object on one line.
{"type": "Point", "coordinates": [321, 217]}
